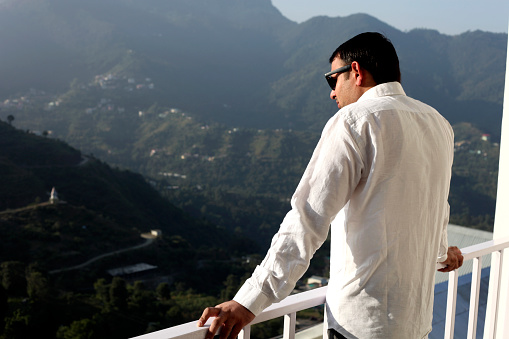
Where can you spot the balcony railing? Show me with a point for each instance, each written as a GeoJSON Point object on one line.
{"type": "Point", "coordinates": [289, 307]}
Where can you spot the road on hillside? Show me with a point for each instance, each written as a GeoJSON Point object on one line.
{"type": "Point", "coordinates": [99, 257]}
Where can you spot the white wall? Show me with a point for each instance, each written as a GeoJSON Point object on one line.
{"type": "Point", "coordinates": [501, 229]}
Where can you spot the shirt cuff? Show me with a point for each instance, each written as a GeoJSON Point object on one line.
{"type": "Point", "coordinates": [252, 299]}
{"type": "Point", "coordinates": [442, 258]}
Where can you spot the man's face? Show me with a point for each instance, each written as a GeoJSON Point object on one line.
{"type": "Point", "coordinates": [344, 92]}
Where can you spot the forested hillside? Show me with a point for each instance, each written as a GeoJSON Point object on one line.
{"type": "Point", "coordinates": [99, 210]}
{"type": "Point", "coordinates": [239, 178]}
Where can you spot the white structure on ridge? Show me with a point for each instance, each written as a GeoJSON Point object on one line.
{"type": "Point", "coordinates": [53, 199]}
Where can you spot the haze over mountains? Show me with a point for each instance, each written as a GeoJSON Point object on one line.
{"type": "Point", "coordinates": [113, 73]}
{"type": "Point", "coordinates": [237, 62]}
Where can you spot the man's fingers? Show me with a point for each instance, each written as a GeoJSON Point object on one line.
{"type": "Point", "coordinates": [447, 269]}
{"type": "Point", "coordinates": [235, 331]}
{"type": "Point", "coordinates": [222, 323]}
{"type": "Point", "coordinates": [459, 256]}
{"type": "Point", "coordinates": [226, 331]}
{"type": "Point", "coordinates": [454, 259]}
{"type": "Point", "coordinates": [230, 318]}
{"type": "Point", "coordinates": [214, 327]}
{"type": "Point", "coordinates": [208, 313]}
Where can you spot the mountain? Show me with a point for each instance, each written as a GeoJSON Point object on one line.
{"type": "Point", "coordinates": [101, 209]}
{"type": "Point", "coordinates": [237, 62]}
{"type": "Point", "coordinates": [438, 69]}
{"type": "Point", "coordinates": [65, 263]}
{"type": "Point", "coordinates": [168, 41]}
{"type": "Point", "coordinates": [226, 65]}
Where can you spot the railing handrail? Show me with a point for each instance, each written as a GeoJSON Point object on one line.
{"type": "Point", "coordinates": [308, 299]}
{"type": "Point", "coordinates": [484, 248]}
{"type": "Point", "coordinates": [293, 303]}
{"type": "Point", "coordinates": [290, 304]}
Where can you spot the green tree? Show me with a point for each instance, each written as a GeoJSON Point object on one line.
{"type": "Point", "coordinates": [37, 285]}
{"type": "Point", "coordinates": [17, 326]}
{"type": "Point", "coordinates": [231, 286]}
{"type": "Point", "coordinates": [118, 294]}
{"type": "Point", "coordinates": [101, 291]}
{"type": "Point", "coordinates": [4, 308]}
{"type": "Point", "coordinates": [80, 329]}
{"type": "Point", "coordinates": [163, 291]}
{"type": "Point", "coordinates": [174, 315]}
{"type": "Point", "coordinates": [13, 278]}
{"type": "Point", "coordinates": [143, 302]}
{"type": "Point", "coordinates": [138, 287]}
{"type": "Point", "coordinates": [10, 119]}
{"type": "Point", "coordinates": [179, 288]}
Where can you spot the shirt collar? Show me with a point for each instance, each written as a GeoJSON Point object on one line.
{"type": "Point", "coordinates": [385, 89]}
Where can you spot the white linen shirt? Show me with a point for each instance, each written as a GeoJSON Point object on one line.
{"type": "Point", "coordinates": [385, 163]}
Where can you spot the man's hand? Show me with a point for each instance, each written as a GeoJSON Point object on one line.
{"type": "Point", "coordinates": [454, 260]}
{"type": "Point", "coordinates": [230, 316]}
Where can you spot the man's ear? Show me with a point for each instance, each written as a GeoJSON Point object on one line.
{"type": "Point", "coordinates": [358, 73]}
{"type": "Point", "coordinates": [362, 77]}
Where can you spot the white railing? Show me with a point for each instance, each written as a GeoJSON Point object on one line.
{"type": "Point", "coordinates": [289, 307]}
{"type": "Point", "coordinates": [476, 252]}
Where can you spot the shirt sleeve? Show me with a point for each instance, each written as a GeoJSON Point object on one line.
{"type": "Point", "coordinates": [332, 174]}
{"type": "Point", "coordinates": [444, 245]}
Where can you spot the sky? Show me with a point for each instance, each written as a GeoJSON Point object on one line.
{"type": "Point", "coordinates": [449, 17]}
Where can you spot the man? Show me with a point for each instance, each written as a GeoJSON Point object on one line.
{"type": "Point", "coordinates": [379, 177]}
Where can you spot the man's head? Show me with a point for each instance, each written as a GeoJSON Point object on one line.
{"type": "Point", "coordinates": [374, 52]}
{"type": "Point", "coordinates": [366, 60]}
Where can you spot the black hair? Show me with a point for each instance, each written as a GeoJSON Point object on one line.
{"type": "Point", "coordinates": [374, 52]}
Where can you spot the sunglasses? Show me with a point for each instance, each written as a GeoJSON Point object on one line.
{"type": "Point", "coordinates": [332, 81]}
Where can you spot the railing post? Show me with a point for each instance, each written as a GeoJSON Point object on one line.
{"type": "Point", "coordinates": [490, 326]}
{"type": "Point", "coordinates": [474, 297]}
{"type": "Point", "coordinates": [289, 326]}
{"type": "Point", "coordinates": [245, 333]}
{"type": "Point", "coordinates": [450, 316]}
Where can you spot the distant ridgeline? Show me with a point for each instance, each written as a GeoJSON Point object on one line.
{"type": "Point", "coordinates": [235, 62]}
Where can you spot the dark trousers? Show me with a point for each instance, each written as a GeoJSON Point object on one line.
{"type": "Point", "coordinates": [333, 334]}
